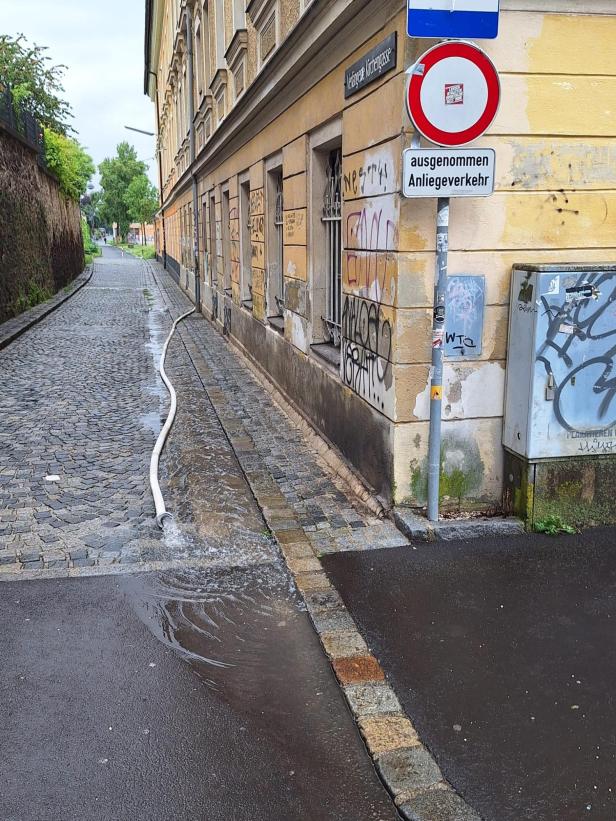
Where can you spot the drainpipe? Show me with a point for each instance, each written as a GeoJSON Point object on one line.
{"type": "Point", "coordinates": [160, 169]}
{"type": "Point", "coordinates": [191, 137]}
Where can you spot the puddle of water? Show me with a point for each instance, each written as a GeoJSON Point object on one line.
{"type": "Point", "coordinates": [226, 622]}
{"type": "Point", "coordinates": [152, 422]}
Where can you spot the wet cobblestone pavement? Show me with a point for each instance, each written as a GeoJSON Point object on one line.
{"type": "Point", "coordinates": [271, 449]}
{"type": "Point", "coordinates": [79, 403]}
{"type": "Point", "coordinates": [82, 406]}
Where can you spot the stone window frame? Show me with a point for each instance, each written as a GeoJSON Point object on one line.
{"type": "Point", "coordinates": [261, 13]}
{"type": "Point", "coordinates": [199, 59]}
{"type": "Point", "coordinates": [213, 245]}
{"type": "Point", "coordinates": [273, 171]}
{"type": "Point", "coordinates": [218, 88]}
{"type": "Point", "coordinates": [225, 231]}
{"type": "Point", "coordinates": [236, 59]}
{"type": "Point", "coordinates": [243, 190]}
{"type": "Point", "coordinates": [204, 236]}
{"type": "Point", "coordinates": [322, 141]}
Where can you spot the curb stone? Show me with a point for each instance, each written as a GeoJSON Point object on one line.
{"type": "Point", "coordinates": [18, 325]}
{"type": "Point", "coordinates": [405, 766]}
{"type": "Point", "coordinates": [419, 529]}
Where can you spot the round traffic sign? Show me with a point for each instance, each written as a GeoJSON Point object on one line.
{"type": "Point", "coordinates": [453, 92]}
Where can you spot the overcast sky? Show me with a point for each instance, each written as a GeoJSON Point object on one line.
{"type": "Point", "coordinates": [101, 43]}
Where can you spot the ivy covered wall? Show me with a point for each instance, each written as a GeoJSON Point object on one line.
{"type": "Point", "coordinates": [41, 248]}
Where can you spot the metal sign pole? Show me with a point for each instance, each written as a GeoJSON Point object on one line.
{"type": "Point", "coordinates": [438, 342]}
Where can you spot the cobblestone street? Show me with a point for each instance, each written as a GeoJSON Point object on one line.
{"type": "Point", "coordinates": [83, 405]}
{"type": "Point", "coordinates": [80, 404]}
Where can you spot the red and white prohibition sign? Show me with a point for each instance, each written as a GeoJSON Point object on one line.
{"type": "Point", "coordinates": [453, 93]}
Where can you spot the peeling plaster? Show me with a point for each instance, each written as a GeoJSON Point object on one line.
{"type": "Point", "coordinates": [468, 393]}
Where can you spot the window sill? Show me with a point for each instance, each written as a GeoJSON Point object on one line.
{"type": "Point", "coordinates": [277, 323]}
{"type": "Point", "coordinates": [328, 353]}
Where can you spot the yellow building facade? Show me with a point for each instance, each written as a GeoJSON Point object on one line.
{"type": "Point", "coordinates": [282, 212]}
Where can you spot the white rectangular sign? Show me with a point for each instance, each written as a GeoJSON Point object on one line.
{"type": "Point", "coordinates": [448, 172]}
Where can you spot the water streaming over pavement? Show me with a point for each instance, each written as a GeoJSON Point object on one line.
{"type": "Point", "coordinates": [225, 620]}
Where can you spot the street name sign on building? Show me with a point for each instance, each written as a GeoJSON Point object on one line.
{"type": "Point", "coordinates": [378, 61]}
{"type": "Point", "coordinates": [451, 172]}
{"type": "Point", "coordinates": [453, 93]}
{"type": "Point", "coordinates": [453, 19]}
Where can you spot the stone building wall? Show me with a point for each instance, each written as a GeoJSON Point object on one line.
{"type": "Point", "coordinates": [41, 246]}
{"type": "Point", "coordinates": [554, 201]}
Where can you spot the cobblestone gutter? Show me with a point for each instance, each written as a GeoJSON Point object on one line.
{"type": "Point", "coordinates": [406, 767]}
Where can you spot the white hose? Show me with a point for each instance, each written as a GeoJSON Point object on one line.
{"type": "Point", "coordinates": [161, 511]}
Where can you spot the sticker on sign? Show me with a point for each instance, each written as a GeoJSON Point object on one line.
{"type": "Point", "coordinates": [448, 172]}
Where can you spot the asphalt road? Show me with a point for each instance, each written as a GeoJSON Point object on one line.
{"type": "Point", "coordinates": [504, 655]}
{"type": "Point", "coordinates": [108, 712]}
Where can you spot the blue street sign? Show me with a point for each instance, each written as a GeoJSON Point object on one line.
{"type": "Point", "coordinates": [453, 19]}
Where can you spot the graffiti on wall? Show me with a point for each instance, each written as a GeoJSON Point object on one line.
{"type": "Point", "coordinates": [370, 235]}
{"type": "Point", "coordinates": [226, 321]}
{"type": "Point", "coordinates": [464, 317]}
{"type": "Point", "coordinates": [234, 224]}
{"type": "Point", "coordinates": [370, 238]}
{"type": "Point", "coordinates": [371, 173]}
{"type": "Point", "coordinates": [257, 201]}
{"type": "Point", "coordinates": [257, 227]}
{"type": "Point", "coordinates": [578, 354]}
{"type": "Point", "coordinates": [366, 350]}
{"type": "Point", "coordinates": [369, 178]}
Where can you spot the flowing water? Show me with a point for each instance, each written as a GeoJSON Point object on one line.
{"type": "Point", "coordinates": [232, 602]}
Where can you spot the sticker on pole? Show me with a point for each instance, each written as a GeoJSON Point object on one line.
{"type": "Point", "coordinates": [453, 19]}
{"type": "Point", "coordinates": [448, 172]}
{"type": "Point", "coordinates": [453, 93]}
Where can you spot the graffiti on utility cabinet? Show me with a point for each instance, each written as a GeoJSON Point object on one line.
{"type": "Point", "coordinates": [578, 317]}
{"type": "Point", "coordinates": [365, 361]}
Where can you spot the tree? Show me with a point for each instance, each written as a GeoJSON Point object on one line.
{"type": "Point", "coordinates": [90, 207]}
{"type": "Point", "coordinates": [35, 83]}
{"type": "Point", "coordinates": [141, 199]}
{"type": "Point", "coordinates": [69, 162]}
{"type": "Point", "coordinates": [117, 173]}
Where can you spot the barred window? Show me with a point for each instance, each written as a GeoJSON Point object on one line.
{"type": "Point", "coordinates": [332, 221]}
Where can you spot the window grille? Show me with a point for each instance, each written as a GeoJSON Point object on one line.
{"type": "Point", "coordinates": [332, 221]}
{"type": "Point", "coordinates": [278, 228]}
{"type": "Point", "coordinates": [246, 249]}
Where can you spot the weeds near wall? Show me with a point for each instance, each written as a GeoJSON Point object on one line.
{"type": "Point", "coordinates": [553, 525]}
{"type": "Point", "coordinates": [34, 295]}
{"type": "Point", "coordinates": [461, 472]}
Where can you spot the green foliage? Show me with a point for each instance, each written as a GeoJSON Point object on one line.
{"type": "Point", "coordinates": [553, 525]}
{"type": "Point", "coordinates": [117, 173]}
{"type": "Point", "coordinates": [90, 248]}
{"type": "Point", "coordinates": [91, 207]}
{"type": "Point", "coordinates": [141, 199]}
{"type": "Point", "coordinates": [69, 162]}
{"type": "Point", "coordinates": [35, 83]}
{"type": "Point", "coordinates": [35, 294]}
{"type": "Point", "coordinates": [141, 251]}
